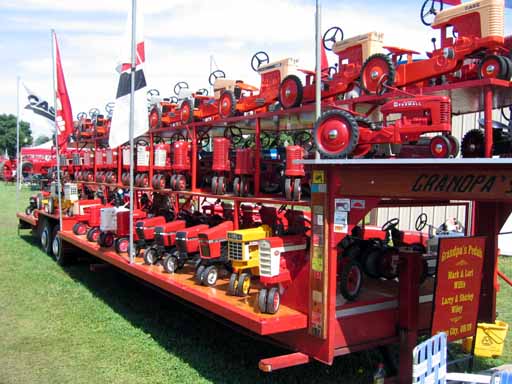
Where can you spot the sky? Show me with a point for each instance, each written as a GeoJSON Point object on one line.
{"type": "Point", "coordinates": [181, 36]}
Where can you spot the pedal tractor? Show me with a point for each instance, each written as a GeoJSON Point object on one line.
{"type": "Point", "coordinates": [187, 248]}
{"type": "Point", "coordinates": [89, 223]}
{"type": "Point", "coordinates": [341, 133]}
{"type": "Point", "coordinates": [245, 97]}
{"type": "Point", "coordinates": [293, 173]}
{"type": "Point", "coordinates": [111, 166]}
{"type": "Point", "coordinates": [180, 165]}
{"type": "Point", "coordinates": [68, 198]}
{"type": "Point", "coordinates": [281, 259]}
{"type": "Point", "coordinates": [244, 171]}
{"type": "Point", "coordinates": [166, 113]}
{"type": "Point", "coordinates": [84, 128]}
{"type": "Point", "coordinates": [115, 227]}
{"type": "Point", "coordinates": [142, 165]}
{"type": "Point", "coordinates": [165, 241]}
{"type": "Point", "coordinates": [243, 254]}
{"type": "Point", "coordinates": [221, 165]}
{"type": "Point", "coordinates": [213, 251]}
{"type": "Point", "coordinates": [161, 164]}
{"type": "Point", "coordinates": [471, 29]}
{"type": "Point", "coordinates": [87, 165]}
{"type": "Point", "coordinates": [99, 161]}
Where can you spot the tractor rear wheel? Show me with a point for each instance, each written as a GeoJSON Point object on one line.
{"type": "Point", "coordinates": [227, 104]}
{"type": "Point", "coordinates": [375, 68]}
{"type": "Point", "coordinates": [199, 274]}
{"type": "Point", "coordinates": [351, 280]}
{"type": "Point", "coordinates": [454, 142]}
{"type": "Point", "coordinates": [336, 134]}
{"type": "Point", "coordinates": [473, 144]}
{"type": "Point", "coordinates": [244, 285]}
{"type": "Point", "coordinates": [187, 112]}
{"type": "Point", "coordinates": [150, 256]}
{"type": "Point", "coordinates": [233, 284]}
{"type": "Point", "coordinates": [291, 92]}
{"type": "Point", "coordinates": [440, 147]}
{"type": "Point", "coordinates": [170, 264]}
{"type": "Point", "coordinates": [273, 300]}
{"type": "Point", "coordinates": [210, 275]}
{"type": "Point", "coordinates": [262, 300]}
{"type": "Point", "coordinates": [370, 262]}
{"type": "Point", "coordinates": [493, 67]}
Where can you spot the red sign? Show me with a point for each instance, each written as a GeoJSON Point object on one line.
{"type": "Point", "coordinates": [457, 293]}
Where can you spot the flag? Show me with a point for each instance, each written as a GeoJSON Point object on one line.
{"type": "Point", "coordinates": [64, 119]}
{"type": "Point", "coordinates": [119, 128]}
{"type": "Point", "coordinates": [37, 112]}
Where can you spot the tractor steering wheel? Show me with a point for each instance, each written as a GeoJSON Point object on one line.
{"type": "Point", "coordinates": [202, 92]}
{"type": "Point", "coordinates": [421, 222]}
{"type": "Point", "coordinates": [234, 134]}
{"type": "Point", "coordinates": [217, 74]}
{"type": "Point", "coordinates": [504, 115]}
{"type": "Point", "coordinates": [390, 224]}
{"type": "Point", "coordinates": [178, 136]}
{"type": "Point", "coordinates": [81, 115]}
{"type": "Point", "coordinates": [152, 92]}
{"type": "Point", "coordinates": [429, 8]}
{"type": "Point", "coordinates": [258, 59]}
{"type": "Point", "coordinates": [179, 86]}
{"type": "Point", "coordinates": [109, 107]}
{"type": "Point", "coordinates": [93, 112]}
{"type": "Point", "coordinates": [203, 138]}
{"type": "Point", "coordinates": [173, 100]}
{"type": "Point", "coordinates": [331, 37]}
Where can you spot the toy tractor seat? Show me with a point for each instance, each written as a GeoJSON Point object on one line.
{"type": "Point", "coordinates": [399, 52]}
{"type": "Point", "coordinates": [491, 18]}
{"type": "Point", "coordinates": [370, 42]}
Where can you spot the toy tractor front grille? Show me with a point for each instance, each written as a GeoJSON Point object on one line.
{"type": "Point", "coordinates": [445, 112]}
{"type": "Point", "coordinates": [265, 259]}
{"type": "Point", "coordinates": [235, 250]}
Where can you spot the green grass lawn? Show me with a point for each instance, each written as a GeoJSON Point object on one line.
{"type": "Point", "coordinates": [70, 325]}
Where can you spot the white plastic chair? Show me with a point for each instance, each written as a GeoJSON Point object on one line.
{"type": "Point", "coordinates": [429, 366]}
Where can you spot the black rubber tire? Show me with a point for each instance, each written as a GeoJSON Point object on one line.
{"type": "Point", "coordinates": [370, 261]}
{"type": "Point", "coordinates": [210, 275]}
{"type": "Point", "coordinates": [150, 256]}
{"type": "Point", "coordinates": [78, 229]}
{"type": "Point", "coordinates": [354, 134]}
{"type": "Point", "coordinates": [300, 92]}
{"type": "Point", "coordinates": [473, 144]}
{"type": "Point", "coordinates": [240, 286]}
{"type": "Point", "coordinates": [503, 70]}
{"type": "Point", "coordinates": [46, 236]}
{"type": "Point", "coordinates": [454, 142]}
{"type": "Point", "coordinates": [60, 250]}
{"type": "Point", "coordinates": [344, 277]}
{"type": "Point", "coordinates": [353, 252]}
{"type": "Point", "coordinates": [198, 276]}
{"type": "Point", "coordinates": [367, 123]}
{"type": "Point", "coordinates": [262, 300]}
{"type": "Point", "coordinates": [159, 120]}
{"type": "Point", "coordinates": [90, 233]}
{"type": "Point", "coordinates": [170, 264]}
{"type": "Point", "coordinates": [233, 284]}
{"type": "Point", "coordinates": [272, 308]}
{"type": "Point", "coordinates": [232, 111]}
{"type": "Point", "coordinates": [391, 70]}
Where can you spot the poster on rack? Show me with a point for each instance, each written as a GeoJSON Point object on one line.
{"type": "Point", "coordinates": [457, 292]}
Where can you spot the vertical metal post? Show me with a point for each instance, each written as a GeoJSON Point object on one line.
{"type": "Point", "coordinates": [59, 186]}
{"type": "Point", "coordinates": [18, 165]}
{"type": "Point", "coordinates": [257, 165]}
{"type": "Point", "coordinates": [488, 121]}
{"type": "Point", "coordinates": [318, 69]}
{"type": "Point", "coordinates": [131, 124]}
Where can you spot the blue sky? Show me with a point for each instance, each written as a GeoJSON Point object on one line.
{"type": "Point", "coordinates": [180, 37]}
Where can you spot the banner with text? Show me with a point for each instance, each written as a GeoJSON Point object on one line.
{"type": "Point", "coordinates": [457, 293]}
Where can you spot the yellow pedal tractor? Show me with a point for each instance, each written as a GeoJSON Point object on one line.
{"type": "Point", "coordinates": [243, 253]}
{"type": "Point", "coordinates": [69, 197]}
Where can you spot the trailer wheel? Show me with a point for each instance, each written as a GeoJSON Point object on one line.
{"type": "Point", "coordinates": [79, 229]}
{"type": "Point", "coordinates": [46, 237]}
{"type": "Point", "coordinates": [210, 275]}
{"type": "Point", "coordinates": [233, 284]}
{"type": "Point", "coordinates": [244, 285]}
{"type": "Point", "coordinates": [170, 264]}
{"type": "Point", "coordinates": [351, 280]}
{"type": "Point", "coordinates": [150, 256]}
{"type": "Point", "coordinates": [199, 274]}
{"type": "Point", "coordinates": [262, 300]}
{"type": "Point", "coordinates": [93, 234]}
{"type": "Point", "coordinates": [59, 250]}
{"type": "Point", "coordinates": [121, 245]}
{"type": "Point", "coordinates": [273, 300]}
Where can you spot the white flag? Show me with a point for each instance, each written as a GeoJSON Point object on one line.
{"type": "Point", "coordinates": [119, 129]}
{"type": "Point", "coordinates": [37, 111]}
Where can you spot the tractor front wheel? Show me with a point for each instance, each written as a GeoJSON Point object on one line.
{"type": "Point", "coordinates": [210, 275]}
{"type": "Point", "coordinates": [273, 300]}
{"type": "Point", "coordinates": [150, 256]}
{"type": "Point", "coordinates": [244, 285]}
{"type": "Point", "coordinates": [93, 234]}
{"type": "Point", "coordinates": [199, 274]}
{"type": "Point", "coordinates": [440, 147]}
{"type": "Point", "coordinates": [233, 284]}
{"type": "Point", "coordinates": [170, 264]}
{"type": "Point", "coordinates": [262, 300]}
{"type": "Point", "coordinates": [79, 229]}
{"type": "Point", "coordinates": [227, 104]}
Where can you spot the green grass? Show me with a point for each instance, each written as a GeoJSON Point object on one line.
{"type": "Point", "coordinates": [70, 325]}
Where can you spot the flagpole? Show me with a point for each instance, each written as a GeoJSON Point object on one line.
{"type": "Point", "coordinates": [318, 75]}
{"type": "Point", "coordinates": [131, 124]}
{"type": "Point", "coordinates": [59, 186]}
{"type": "Point", "coordinates": [18, 165]}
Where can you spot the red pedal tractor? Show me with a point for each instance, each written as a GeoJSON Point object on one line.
{"type": "Point", "coordinates": [245, 97]}
{"type": "Point", "coordinates": [180, 165]}
{"type": "Point", "coordinates": [293, 172]}
{"type": "Point", "coordinates": [111, 166]}
{"type": "Point", "coordinates": [165, 241]}
{"type": "Point", "coordinates": [213, 251]}
{"type": "Point", "coordinates": [145, 230]}
{"type": "Point", "coordinates": [125, 176]}
{"type": "Point", "coordinates": [476, 32]}
{"type": "Point", "coordinates": [161, 164]}
{"type": "Point", "coordinates": [339, 133]}
{"type": "Point", "coordinates": [167, 112]}
{"type": "Point", "coordinates": [221, 165]}
{"type": "Point", "coordinates": [142, 164]}
{"type": "Point", "coordinates": [187, 248]}
{"type": "Point", "coordinates": [244, 171]}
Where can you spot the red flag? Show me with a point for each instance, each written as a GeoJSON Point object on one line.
{"type": "Point", "coordinates": [64, 115]}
